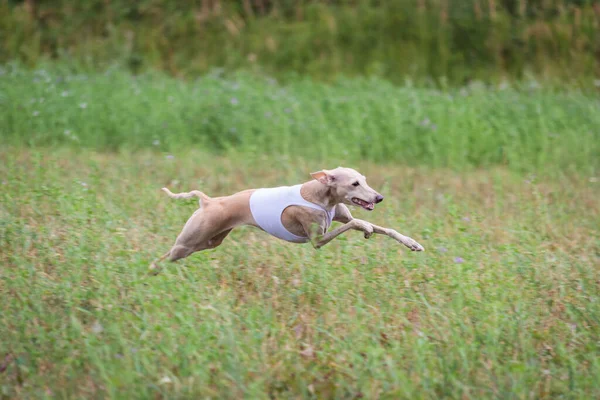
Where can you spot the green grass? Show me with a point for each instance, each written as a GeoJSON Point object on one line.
{"type": "Point", "coordinates": [260, 318]}
{"type": "Point", "coordinates": [526, 128]}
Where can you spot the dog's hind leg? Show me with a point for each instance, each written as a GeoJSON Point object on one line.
{"type": "Point", "coordinates": [216, 240]}
{"type": "Point", "coordinates": [177, 252]}
{"type": "Point", "coordinates": [201, 232]}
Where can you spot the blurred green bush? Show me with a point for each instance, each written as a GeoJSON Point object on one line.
{"type": "Point", "coordinates": [444, 41]}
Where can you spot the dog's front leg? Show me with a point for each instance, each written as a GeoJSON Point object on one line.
{"type": "Point", "coordinates": [342, 214]}
{"type": "Point", "coordinates": [319, 239]}
{"type": "Point", "coordinates": [405, 240]}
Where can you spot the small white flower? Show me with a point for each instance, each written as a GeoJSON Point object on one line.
{"type": "Point", "coordinates": [234, 101]}
{"type": "Point", "coordinates": [64, 93]}
{"type": "Point", "coordinates": [83, 105]}
{"type": "Point", "coordinates": [156, 142]}
{"type": "Point", "coordinates": [67, 132]}
{"type": "Point", "coordinates": [84, 184]}
{"type": "Point", "coordinates": [36, 113]}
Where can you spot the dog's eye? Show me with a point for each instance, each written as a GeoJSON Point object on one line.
{"type": "Point", "coordinates": [355, 183]}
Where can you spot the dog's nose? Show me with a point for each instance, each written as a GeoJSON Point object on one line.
{"type": "Point", "coordinates": [379, 198]}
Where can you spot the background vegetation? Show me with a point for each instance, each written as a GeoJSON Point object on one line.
{"type": "Point", "coordinates": [452, 41]}
{"type": "Point", "coordinates": [526, 128]}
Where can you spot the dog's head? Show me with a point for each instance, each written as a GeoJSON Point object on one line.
{"type": "Point", "coordinates": [349, 187]}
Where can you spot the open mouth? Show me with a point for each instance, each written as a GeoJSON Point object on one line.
{"type": "Point", "coordinates": [363, 204]}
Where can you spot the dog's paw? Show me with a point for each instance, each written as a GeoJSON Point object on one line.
{"type": "Point", "coordinates": [365, 227]}
{"type": "Point", "coordinates": [412, 244]}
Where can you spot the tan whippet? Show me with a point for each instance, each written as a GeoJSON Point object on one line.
{"type": "Point", "coordinates": [297, 214]}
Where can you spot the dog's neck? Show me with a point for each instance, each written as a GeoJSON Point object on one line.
{"type": "Point", "coordinates": [318, 193]}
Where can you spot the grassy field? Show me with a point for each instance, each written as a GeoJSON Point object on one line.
{"type": "Point", "coordinates": [505, 302]}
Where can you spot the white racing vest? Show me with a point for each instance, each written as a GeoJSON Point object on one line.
{"type": "Point", "coordinates": [267, 205]}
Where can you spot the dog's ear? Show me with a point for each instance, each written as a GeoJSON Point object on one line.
{"type": "Point", "coordinates": [325, 177]}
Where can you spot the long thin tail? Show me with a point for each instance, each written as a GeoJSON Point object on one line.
{"type": "Point", "coordinates": [188, 195]}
